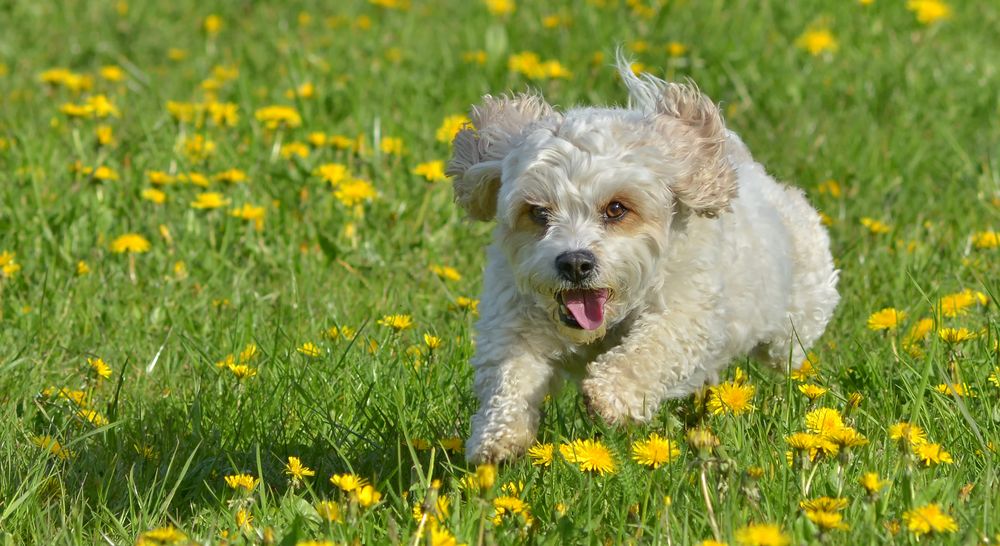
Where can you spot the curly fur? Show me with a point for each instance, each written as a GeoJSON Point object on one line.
{"type": "Point", "coordinates": [714, 259]}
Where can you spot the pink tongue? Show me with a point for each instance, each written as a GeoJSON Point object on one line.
{"type": "Point", "coordinates": [586, 306]}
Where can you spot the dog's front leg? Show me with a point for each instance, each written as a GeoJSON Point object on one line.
{"type": "Point", "coordinates": [665, 355]}
{"type": "Point", "coordinates": [510, 390]}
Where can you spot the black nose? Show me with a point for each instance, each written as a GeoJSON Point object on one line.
{"type": "Point", "coordinates": [576, 265]}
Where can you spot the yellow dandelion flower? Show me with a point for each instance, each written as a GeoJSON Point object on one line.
{"type": "Point", "coordinates": [153, 195]}
{"type": "Point", "coordinates": [355, 191]}
{"type": "Point", "coordinates": [105, 135]}
{"type": "Point", "coordinates": [328, 510]}
{"type": "Point", "coordinates": [731, 397]}
{"type": "Point", "coordinates": [877, 227]}
{"type": "Point", "coordinates": [762, 534]}
{"type": "Point", "coordinates": [224, 114]}
{"type": "Point", "coordinates": [500, 7]}
{"type": "Point", "coordinates": [209, 200]}
{"type": "Point", "coordinates": [811, 391]}
{"type": "Point", "coordinates": [831, 187]}
{"type": "Point", "coordinates": [817, 41]}
{"type": "Point", "coordinates": [846, 437]}
{"type": "Point", "coordinates": [244, 520]}
{"type": "Point", "coordinates": [541, 454]}
{"type": "Point", "coordinates": [112, 73]}
{"type": "Point", "coordinates": [808, 368]}
{"type": "Point", "coordinates": [50, 444]}
{"type": "Point", "coordinates": [450, 127]}
{"type": "Point", "coordinates": [232, 176]}
{"type": "Point", "coordinates": [510, 506]}
{"type": "Point", "coordinates": [104, 174]}
{"type": "Point", "coordinates": [676, 49]}
{"type": "Point", "coordinates": [442, 508]}
{"type": "Point", "coordinates": [932, 454]}
{"type": "Point", "coordinates": [824, 421]}
{"type": "Point", "coordinates": [474, 57]}
{"type": "Point", "coordinates": [919, 331]}
{"type": "Point", "coordinates": [130, 242]}
{"type": "Point", "coordinates": [908, 433]}
{"type": "Point", "coordinates": [589, 455]}
{"type": "Point", "coordinates": [276, 116]}
{"type": "Point", "coordinates": [251, 213]}
{"type": "Point", "coordinates": [396, 322]}
{"type": "Point", "coordinates": [929, 519]}
{"type": "Point", "coordinates": [304, 91]}
{"type": "Point", "coordinates": [995, 377]}
{"type": "Point", "coordinates": [958, 389]}
{"type": "Point", "coordinates": [953, 305]}
{"type": "Point", "coordinates": [82, 268]}
{"type": "Point", "coordinates": [159, 178]}
{"type": "Point", "coordinates": [348, 482]}
{"type": "Point", "coordinates": [655, 451]}
{"type": "Point", "coordinates": [245, 482]}
{"type": "Point", "coordinates": [212, 24]}
{"type": "Point", "coordinates": [929, 11]}
{"type": "Point", "coordinates": [886, 319]}
{"type": "Point", "coordinates": [197, 148]}
{"type": "Point", "coordinates": [195, 178]}
{"type": "Point", "coordinates": [986, 240]}
{"type": "Point", "coordinates": [824, 504]}
{"type": "Point", "coordinates": [432, 342]}
{"type": "Point", "coordinates": [241, 371]}
{"type": "Point", "coordinates": [432, 171]}
{"type": "Point", "coordinates": [309, 349]}
{"type": "Point", "coordinates": [297, 470]}
{"type": "Point", "coordinates": [334, 173]}
{"type": "Point", "coordinates": [295, 149]}
{"type": "Point", "coordinates": [872, 483]}
{"type": "Point", "coordinates": [955, 335]}
{"type": "Point", "coordinates": [447, 273]}
{"type": "Point", "coordinates": [368, 496]}
{"type": "Point", "coordinates": [159, 536]}
{"type": "Point", "coordinates": [468, 304]}
{"type": "Point", "coordinates": [391, 145]}
{"type": "Point", "coordinates": [98, 366]}
{"type": "Point", "coordinates": [827, 520]}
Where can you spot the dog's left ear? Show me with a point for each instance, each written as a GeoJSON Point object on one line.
{"type": "Point", "coordinates": [498, 124]}
{"type": "Point", "coordinates": [693, 126]}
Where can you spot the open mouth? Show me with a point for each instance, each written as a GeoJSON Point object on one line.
{"type": "Point", "coordinates": [582, 308]}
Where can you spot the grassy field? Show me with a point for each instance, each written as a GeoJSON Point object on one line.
{"type": "Point", "coordinates": [210, 213]}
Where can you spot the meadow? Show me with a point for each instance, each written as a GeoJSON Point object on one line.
{"type": "Point", "coordinates": [237, 300]}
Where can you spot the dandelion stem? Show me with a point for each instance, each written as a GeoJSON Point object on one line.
{"type": "Point", "coordinates": [131, 267]}
{"type": "Point", "coordinates": [812, 474]}
{"type": "Point", "coordinates": [708, 506]}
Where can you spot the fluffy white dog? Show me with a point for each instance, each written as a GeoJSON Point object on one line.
{"type": "Point", "coordinates": [637, 250]}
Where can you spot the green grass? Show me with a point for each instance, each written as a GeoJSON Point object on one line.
{"type": "Point", "coordinates": [902, 115]}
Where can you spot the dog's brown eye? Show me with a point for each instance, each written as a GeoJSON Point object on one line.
{"type": "Point", "coordinates": [615, 211]}
{"type": "Point", "coordinates": [540, 215]}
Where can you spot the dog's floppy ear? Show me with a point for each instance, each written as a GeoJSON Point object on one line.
{"type": "Point", "coordinates": [694, 138]}
{"type": "Point", "coordinates": [697, 141]}
{"type": "Point", "coordinates": [479, 149]}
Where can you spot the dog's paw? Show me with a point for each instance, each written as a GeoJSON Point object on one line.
{"type": "Point", "coordinates": [614, 406]}
{"type": "Point", "coordinates": [493, 449]}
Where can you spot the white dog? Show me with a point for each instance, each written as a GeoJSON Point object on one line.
{"type": "Point", "coordinates": [636, 249]}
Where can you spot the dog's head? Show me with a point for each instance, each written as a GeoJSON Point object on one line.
{"type": "Point", "coordinates": [585, 200]}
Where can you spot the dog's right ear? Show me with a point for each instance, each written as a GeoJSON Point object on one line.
{"type": "Point", "coordinates": [478, 150]}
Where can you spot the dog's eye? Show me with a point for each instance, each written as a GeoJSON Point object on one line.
{"type": "Point", "coordinates": [540, 215]}
{"type": "Point", "coordinates": [615, 210]}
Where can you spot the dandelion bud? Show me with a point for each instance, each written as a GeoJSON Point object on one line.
{"type": "Point", "coordinates": [702, 440]}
